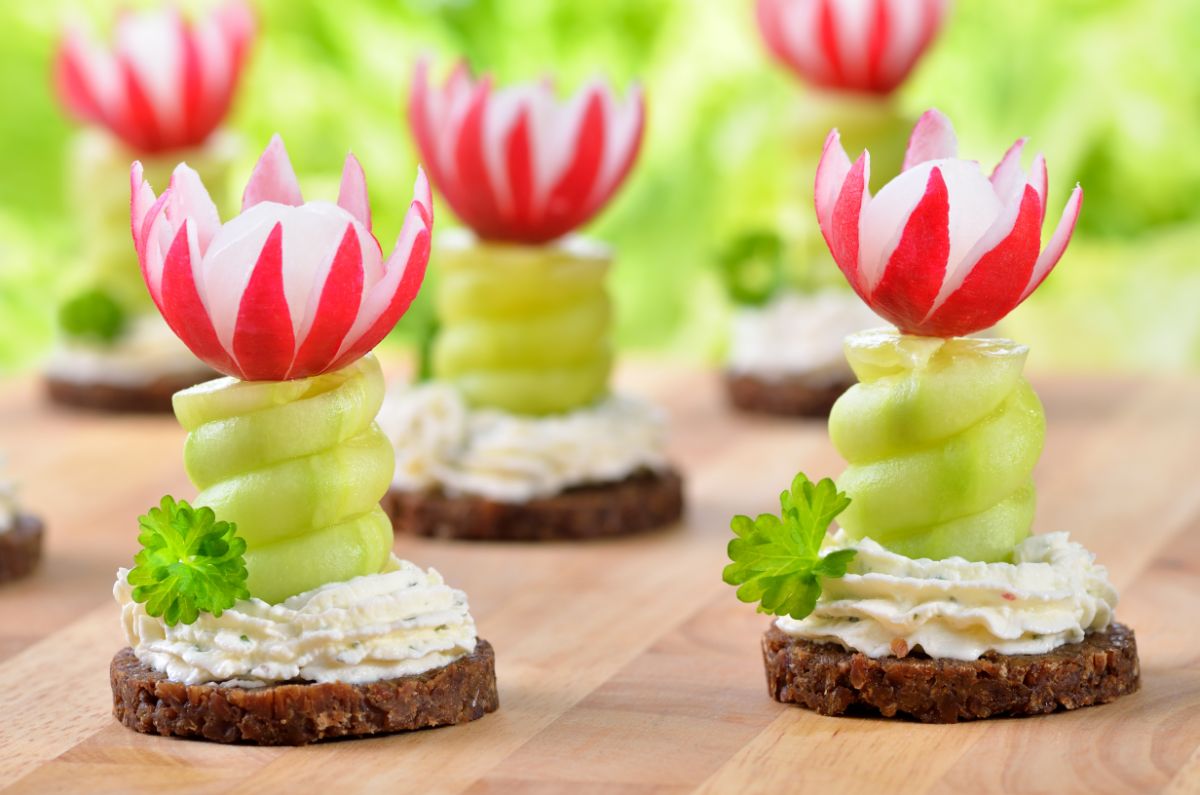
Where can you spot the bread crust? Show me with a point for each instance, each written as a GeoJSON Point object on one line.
{"type": "Point", "coordinates": [20, 547]}
{"type": "Point", "coordinates": [833, 681]}
{"type": "Point", "coordinates": [298, 713]}
{"type": "Point", "coordinates": [153, 397]}
{"type": "Point", "coordinates": [643, 501]}
{"type": "Point", "coordinates": [788, 396]}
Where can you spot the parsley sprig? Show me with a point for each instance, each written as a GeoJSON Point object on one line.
{"type": "Point", "coordinates": [93, 314]}
{"type": "Point", "coordinates": [189, 563]}
{"type": "Point", "coordinates": [751, 267]}
{"type": "Point", "coordinates": [777, 560]}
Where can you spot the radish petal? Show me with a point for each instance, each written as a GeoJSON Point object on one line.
{"type": "Point", "coordinates": [932, 138]}
{"type": "Point", "coordinates": [263, 343]}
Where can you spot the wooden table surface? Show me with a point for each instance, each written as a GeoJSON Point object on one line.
{"type": "Point", "coordinates": [627, 666]}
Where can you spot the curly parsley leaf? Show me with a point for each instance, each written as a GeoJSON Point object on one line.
{"type": "Point", "coordinates": [751, 267]}
{"type": "Point", "coordinates": [189, 563]}
{"type": "Point", "coordinates": [92, 314]}
{"type": "Point", "coordinates": [777, 560]}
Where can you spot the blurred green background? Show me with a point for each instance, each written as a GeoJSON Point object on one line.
{"type": "Point", "coordinates": [1108, 89]}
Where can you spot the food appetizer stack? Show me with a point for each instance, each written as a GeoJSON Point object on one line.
{"type": "Point", "coordinates": [932, 599]}
{"type": "Point", "coordinates": [518, 437]}
{"type": "Point", "coordinates": [271, 610]}
{"type": "Point", "coordinates": [20, 535]}
{"type": "Point", "coordinates": [785, 349]}
{"type": "Point", "coordinates": [158, 92]}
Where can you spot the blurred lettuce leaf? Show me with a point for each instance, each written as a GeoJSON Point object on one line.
{"type": "Point", "coordinates": [1109, 90]}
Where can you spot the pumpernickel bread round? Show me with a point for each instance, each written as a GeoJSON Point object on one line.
{"type": "Point", "coordinates": [643, 501]}
{"type": "Point", "coordinates": [298, 713]}
{"type": "Point", "coordinates": [20, 547]}
{"type": "Point", "coordinates": [833, 681]}
{"type": "Point", "coordinates": [788, 396]}
{"type": "Point", "coordinates": [153, 397]}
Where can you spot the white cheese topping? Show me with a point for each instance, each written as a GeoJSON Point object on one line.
{"type": "Point", "coordinates": [443, 443]}
{"type": "Point", "coordinates": [798, 334]}
{"type": "Point", "coordinates": [8, 505]}
{"type": "Point", "coordinates": [400, 622]}
{"type": "Point", "coordinates": [1051, 594]}
{"type": "Point", "coordinates": [147, 351]}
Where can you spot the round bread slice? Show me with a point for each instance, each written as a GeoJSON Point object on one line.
{"type": "Point", "coordinates": [788, 396]}
{"type": "Point", "coordinates": [833, 681]}
{"type": "Point", "coordinates": [20, 547]}
{"type": "Point", "coordinates": [643, 501]}
{"type": "Point", "coordinates": [153, 397]}
{"type": "Point", "coordinates": [298, 713]}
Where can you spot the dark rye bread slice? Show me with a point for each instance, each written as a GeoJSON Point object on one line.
{"type": "Point", "coordinates": [153, 397]}
{"type": "Point", "coordinates": [20, 547]}
{"type": "Point", "coordinates": [789, 396]}
{"type": "Point", "coordinates": [303, 712]}
{"type": "Point", "coordinates": [833, 681]}
{"type": "Point", "coordinates": [643, 501]}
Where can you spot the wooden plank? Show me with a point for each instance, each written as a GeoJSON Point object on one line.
{"type": "Point", "coordinates": [627, 666]}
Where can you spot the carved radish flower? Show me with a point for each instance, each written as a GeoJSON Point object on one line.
{"type": "Point", "coordinates": [943, 250]}
{"type": "Point", "coordinates": [288, 288]}
{"type": "Point", "coordinates": [517, 164]}
{"type": "Point", "coordinates": [164, 83]}
{"type": "Point", "coordinates": [850, 45]}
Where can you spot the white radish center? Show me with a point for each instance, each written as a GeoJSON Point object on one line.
{"type": "Point", "coordinates": [973, 208]}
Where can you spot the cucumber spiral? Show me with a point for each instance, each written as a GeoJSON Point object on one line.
{"type": "Point", "coordinates": [525, 329]}
{"type": "Point", "coordinates": [941, 437]}
{"type": "Point", "coordinates": [300, 466]}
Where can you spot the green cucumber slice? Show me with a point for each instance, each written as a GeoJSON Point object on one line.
{"type": "Point", "coordinates": [354, 548]}
{"type": "Point", "coordinates": [300, 495]}
{"type": "Point", "coordinates": [316, 420]}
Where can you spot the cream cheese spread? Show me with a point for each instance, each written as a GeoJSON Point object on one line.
{"type": "Point", "coordinates": [146, 352]}
{"type": "Point", "coordinates": [1052, 593]}
{"type": "Point", "coordinates": [441, 442]}
{"type": "Point", "coordinates": [8, 505]}
{"type": "Point", "coordinates": [400, 622]}
{"type": "Point", "coordinates": [798, 334]}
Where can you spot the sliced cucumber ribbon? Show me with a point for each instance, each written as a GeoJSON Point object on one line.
{"type": "Point", "coordinates": [941, 437]}
{"type": "Point", "coordinates": [300, 467]}
{"type": "Point", "coordinates": [526, 329]}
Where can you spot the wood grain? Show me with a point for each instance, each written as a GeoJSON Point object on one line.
{"type": "Point", "coordinates": [626, 666]}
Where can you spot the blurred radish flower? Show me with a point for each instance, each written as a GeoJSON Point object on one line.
{"type": "Point", "coordinates": [850, 45]}
{"type": "Point", "coordinates": [164, 83]}
{"type": "Point", "coordinates": [515, 163]}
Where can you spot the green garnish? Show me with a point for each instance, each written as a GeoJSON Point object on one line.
{"type": "Point", "coordinates": [189, 563]}
{"type": "Point", "coordinates": [92, 314]}
{"type": "Point", "coordinates": [777, 560]}
{"type": "Point", "coordinates": [752, 267]}
{"type": "Point", "coordinates": [427, 336]}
